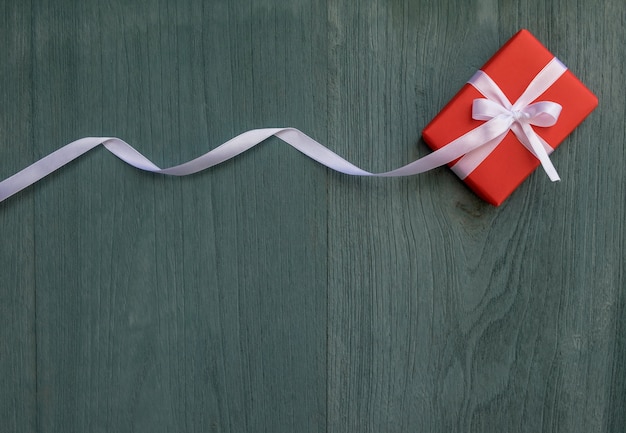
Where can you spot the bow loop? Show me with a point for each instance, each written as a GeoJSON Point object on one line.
{"type": "Point", "coordinates": [486, 109]}
{"type": "Point", "coordinates": [544, 113]}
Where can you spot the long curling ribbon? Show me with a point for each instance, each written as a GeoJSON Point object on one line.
{"type": "Point", "coordinates": [228, 150]}
{"type": "Point", "coordinates": [500, 115]}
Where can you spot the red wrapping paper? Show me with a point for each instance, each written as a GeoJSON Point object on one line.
{"type": "Point", "coordinates": [512, 68]}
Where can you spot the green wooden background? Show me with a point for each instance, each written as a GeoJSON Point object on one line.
{"type": "Point", "coordinates": [270, 294]}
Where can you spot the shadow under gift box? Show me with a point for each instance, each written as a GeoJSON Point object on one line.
{"type": "Point", "coordinates": [512, 68]}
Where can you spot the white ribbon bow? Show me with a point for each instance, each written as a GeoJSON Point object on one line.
{"type": "Point", "coordinates": [502, 116]}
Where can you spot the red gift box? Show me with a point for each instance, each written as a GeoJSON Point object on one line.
{"type": "Point", "coordinates": [512, 68]}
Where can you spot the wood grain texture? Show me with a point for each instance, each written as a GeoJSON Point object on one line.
{"type": "Point", "coordinates": [270, 294]}
{"type": "Point", "coordinates": [17, 232]}
{"type": "Point", "coordinates": [170, 305]}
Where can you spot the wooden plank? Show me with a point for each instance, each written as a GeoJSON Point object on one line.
{"type": "Point", "coordinates": [17, 258]}
{"type": "Point", "coordinates": [446, 314]}
{"type": "Point", "coordinates": [193, 304]}
{"type": "Point", "coordinates": [270, 294]}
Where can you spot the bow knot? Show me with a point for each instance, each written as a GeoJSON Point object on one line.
{"type": "Point", "coordinates": [519, 116]}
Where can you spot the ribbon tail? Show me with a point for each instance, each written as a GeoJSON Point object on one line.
{"type": "Point", "coordinates": [47, 165]}
{"type": "Point", "coordinates": [530, 138]}
{"type": "Point", "coordinates": [457, 148]}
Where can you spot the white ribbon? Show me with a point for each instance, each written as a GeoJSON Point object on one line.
{"type": "Point", "coordinates": [517, 117]}
{"type": "Point", "coordinates": [473, 146]}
